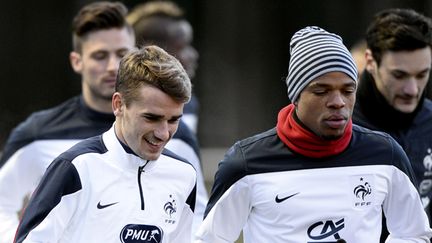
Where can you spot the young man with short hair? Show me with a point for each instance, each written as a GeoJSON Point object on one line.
{"type": "Point", "coordinates": [163, 23]}
{"type": "Point", "coordinates": [123, 185]}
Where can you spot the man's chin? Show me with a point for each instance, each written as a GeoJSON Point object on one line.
{"type": "Point", "coordinates": [152, 156]}
{"type": "Point", "coordinates": [406, 109]}
{"type": "Point", "coordinates": [405, 106]}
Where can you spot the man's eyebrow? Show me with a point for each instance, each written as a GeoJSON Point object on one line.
{"type": "Point", "coordinates": [324, 85]}
{"type": "Point", "coordinates": [318, 85]}
{"type": "Point", "coordinates": [152, 115]}
{"type": "Point", "coordinates": [405, 72]}
{"type": "Point", "coordinates": [122, 49]}
{"type": "Point", "coordinates": [176, 117]}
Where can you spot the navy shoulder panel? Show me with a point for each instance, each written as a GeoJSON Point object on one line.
{"type": "Point", "coordinates": [265, 152]}
{"type": "Point", "coordinates": [191, 200]}
{"type": "Point", "coordinates": [89, 145]}
{"type": "Point", "coordinates": [69, 120]}
{"type": "Point", "coordinates": [171, 154]}
{"type": "Point", "coordinates": [34, 126]}
{"type": "Point", "coordinates": [60, 179]}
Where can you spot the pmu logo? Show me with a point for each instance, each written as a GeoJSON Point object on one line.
{"type": "Point", "coordinates": [325, 230]}
{"type": "Point", "coordinates": [138, 233]}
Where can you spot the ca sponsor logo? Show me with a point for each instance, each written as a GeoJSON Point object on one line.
{"type": "Point", "coordinates": [325, 230]}
{"type": "Point", "coordinates": [139, 233]}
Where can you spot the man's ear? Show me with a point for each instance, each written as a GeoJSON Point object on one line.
{"type": "Point", "coordinates": [117, 104]}
{"type": "Point", "coordinates": [76, 61]}
{"type": "Point", "coordinates": [371, 64]}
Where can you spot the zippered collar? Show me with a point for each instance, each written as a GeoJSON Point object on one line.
{"type": "Point", "coordinates": [122, 154]}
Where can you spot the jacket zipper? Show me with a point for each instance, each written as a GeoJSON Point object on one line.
{"type": "Point", "coordinates": [140, 170]}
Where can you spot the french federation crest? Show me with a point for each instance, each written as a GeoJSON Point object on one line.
{"type": "Point", "coordinates": [170, 208]}
{"type": "Point", "coordinates": [362, 190]}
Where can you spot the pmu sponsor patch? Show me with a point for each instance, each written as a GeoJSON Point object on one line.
{"type": "Point", "coordinates": [139, 233]}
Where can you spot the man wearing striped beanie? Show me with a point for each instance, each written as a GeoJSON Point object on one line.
{"type": "Point", "coordinates": [315, 52]}
{"type": "Point", "coordinates": [315, 177]}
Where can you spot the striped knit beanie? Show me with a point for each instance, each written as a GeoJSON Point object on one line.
{"type": "Point", "coordinates": [315, 52]}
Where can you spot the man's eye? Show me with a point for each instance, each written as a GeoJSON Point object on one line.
{"type": "Point", "coordinates": [99, 56]}
{"type": "Point", "coordinates": [422, 75]}
{"type": "Point", "coordinates": [319, 92]}
{"type": "Point", "coordinates": [399, 75]}
{"type": "Point", "coordinates": [151, 118]}
{"type": "Point", "coordinates": [122, 53]}
{"type": "Point", "coordinates": [173, 121]}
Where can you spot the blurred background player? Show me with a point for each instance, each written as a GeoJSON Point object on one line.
{"type": "Point", "coordinates": [163, 23]}
{"type": "Point", "coordinates": [101, 37]}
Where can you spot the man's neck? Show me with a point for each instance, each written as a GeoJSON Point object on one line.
{"type": "Point", "coordinates": [100, 105]}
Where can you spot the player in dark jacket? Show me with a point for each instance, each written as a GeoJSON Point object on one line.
{"type": "Point", "coordinates": [391, 97]}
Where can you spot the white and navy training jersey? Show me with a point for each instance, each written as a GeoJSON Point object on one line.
{"type": "Point", "coordinates": [275, 195]}
{"type": "Point", "coordinates": [33, 145]}
{"type": "Point", "coordinates": [100, 191]}
{"type": "Point", "coordinates": [36, 142]}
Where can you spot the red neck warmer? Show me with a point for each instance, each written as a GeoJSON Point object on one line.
{"type": "Point", "coordinates": [304, 142]}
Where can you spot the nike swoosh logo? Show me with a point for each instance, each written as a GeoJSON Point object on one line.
{"type": "Point", "coordinates": [279, 200]}
{"type": "Point", "coordinates": [100, 206]}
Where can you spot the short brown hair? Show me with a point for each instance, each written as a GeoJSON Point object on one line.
{"type": "Point", "coordinates": [151, 22]}
{"type": "Point", "coordinates": [153, 66]}
{"type": "Point", "coordinates": [398, 30]}
{"type": "Point", "coordinates": [98, 16]}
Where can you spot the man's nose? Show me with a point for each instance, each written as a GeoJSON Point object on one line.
{"type": "Point", "coordinates": [336, 100]}
{"type": "Point", "coordinates": [113, 63]}
{"type": "Point", "coordinates": [410, 87]}
{"type": "Point", "coordinates": [162, 131]}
